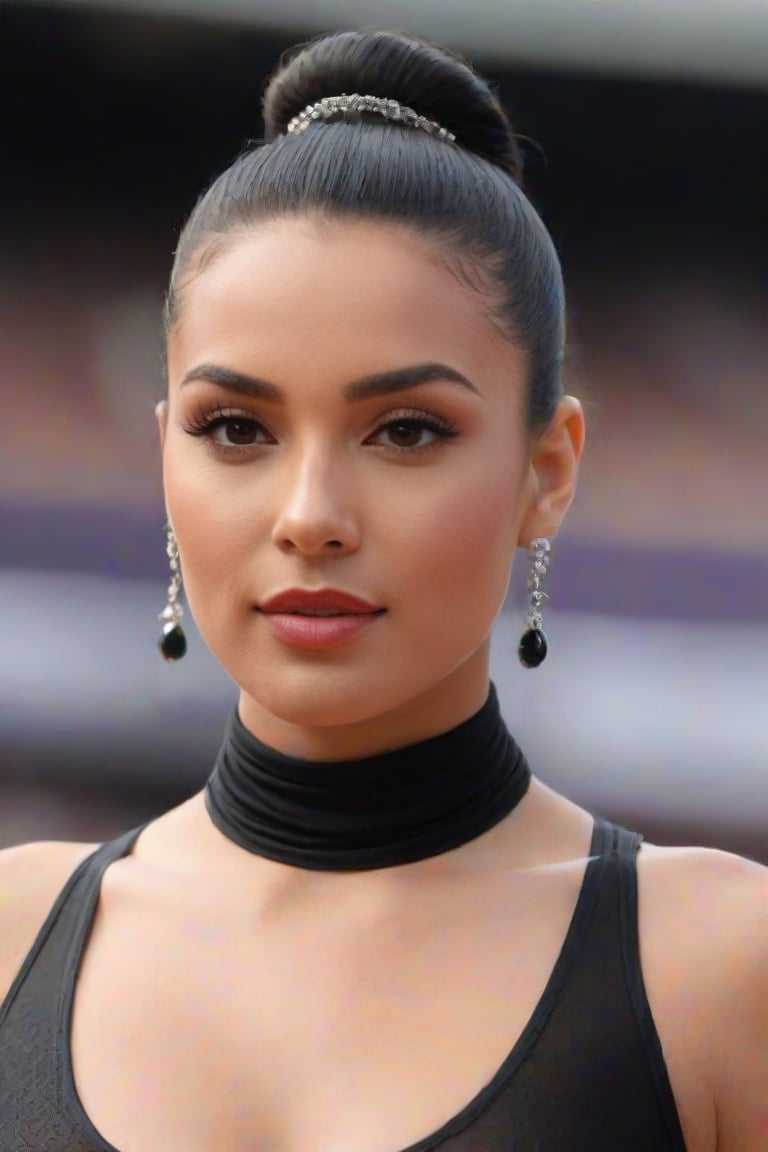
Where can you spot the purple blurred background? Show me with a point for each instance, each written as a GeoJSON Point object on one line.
{"type": "Point", "coordinates": [653, 178]}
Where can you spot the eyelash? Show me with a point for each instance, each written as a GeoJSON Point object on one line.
{"type": "Point", "coordinates": [205, 424]}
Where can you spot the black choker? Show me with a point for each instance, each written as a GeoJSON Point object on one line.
{"type": "Point", "coordinates": [376, 812]}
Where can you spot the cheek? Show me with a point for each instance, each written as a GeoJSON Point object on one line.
{"type": "Point", "coordinates": [462, 541]}
{"type": "Point", "coordinates": [212, 510]}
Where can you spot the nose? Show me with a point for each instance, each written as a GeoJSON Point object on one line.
{"type": "Point", "coordinates": [315, 507]}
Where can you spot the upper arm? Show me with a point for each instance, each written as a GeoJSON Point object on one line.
{"type": "Point", "coordinates": [740, 891]}
{"type": "Point", "coordinates": [704, 948]}
{"type": "Point", "coordinates": [31, 878]}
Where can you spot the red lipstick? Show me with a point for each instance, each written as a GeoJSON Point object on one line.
{"type": "Point", "coordinates": [322, 600]}
{"type": "Point", "coordinates": [318, 619]}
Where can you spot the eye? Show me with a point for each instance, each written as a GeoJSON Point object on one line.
{"type": "Point", "coordinates": [412, 432]}
{"type": "Point", "coordinates": [236, 432]}
{"type": "Point", "coordinates": [409, 433]}
{"type": "Point", "coordinates": [227, 429]}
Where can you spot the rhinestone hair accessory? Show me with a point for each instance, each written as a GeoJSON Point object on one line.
{"type": "Point", "coordinates": [331, 106]}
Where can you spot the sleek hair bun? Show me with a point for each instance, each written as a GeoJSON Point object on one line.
{"type": "Point", "coordinates": [421, 75]}
{"type": "Point", "coordinates": [465, 198]}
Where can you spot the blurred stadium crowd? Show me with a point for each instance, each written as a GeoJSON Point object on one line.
{"type": "Point", "coordinates": [651, 706]}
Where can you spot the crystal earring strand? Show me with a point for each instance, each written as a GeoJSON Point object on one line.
{"type": "Point", "coordinates": [173, 642]}
{"type": "Point", "coordinates": [533, 643]}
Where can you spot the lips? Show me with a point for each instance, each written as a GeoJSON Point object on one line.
{"type": "Point", "coordinates": [315, 620]}
{"type": "Point", "coordinates": [323, 602]}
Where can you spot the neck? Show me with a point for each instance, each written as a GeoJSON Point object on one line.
{"type": "Point", "coordinates": [395, 807]}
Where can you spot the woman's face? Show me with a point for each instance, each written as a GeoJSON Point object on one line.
{"type": "Point", "coordinates": [343, 416]}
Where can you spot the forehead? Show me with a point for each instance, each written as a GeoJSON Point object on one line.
{"type": "Point", "coordinates": [347, 296]}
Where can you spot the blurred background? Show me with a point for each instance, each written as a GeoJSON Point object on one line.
{"type": "Point", "coordinates": [649, 164]}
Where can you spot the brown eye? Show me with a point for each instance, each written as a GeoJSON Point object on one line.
{"type": "Point", "coordinates": [406, 433]}
{"type": "Point", "coordinates": [237, 433]}
{"type": "Point", "coordinates": [410, 434]}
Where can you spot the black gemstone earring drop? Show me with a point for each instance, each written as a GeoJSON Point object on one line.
{"type": "Point", "coordinates": [533, 643]}
{"type": "Point", "coordinates": [173, 642]}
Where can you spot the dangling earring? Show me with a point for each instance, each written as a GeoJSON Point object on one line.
{"type": "Point", "coordinates": [533, 643]}
{"type": "Point", "coordinates": [173, 642]}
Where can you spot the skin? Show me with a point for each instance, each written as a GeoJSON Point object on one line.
{"type": "Point", "coordinates": [308, 966]}
{"type": "Point", "coordinates": [324, 499]}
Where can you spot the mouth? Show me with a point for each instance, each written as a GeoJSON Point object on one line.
{"type": "Point", "coordinates": [314, 620]}
{"type": "Point", "coordinates": [322, 603]}
{"type": "Point", "coordinates": [321, 615]}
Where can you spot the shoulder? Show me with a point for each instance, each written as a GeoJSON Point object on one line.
{"type": "Point", "coordinates": [704, 924]}
{"type": "Point", "coordinates": [713, 886]}
{"type": "Point", "coordinates": [720, 897]}
{"type": "Point", "coordinates": [709, 906]}
{"type": "Point", "coordinates": [31, 878]}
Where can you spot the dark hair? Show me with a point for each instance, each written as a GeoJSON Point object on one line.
{"type": "Point", "coordinates": [466, 195]}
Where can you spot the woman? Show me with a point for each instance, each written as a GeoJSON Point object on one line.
{"type": "Point", "coordinates": [373, 930]}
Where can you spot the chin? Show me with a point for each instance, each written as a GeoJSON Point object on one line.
{"type": "Point", "coordinates": [317, 696]}
{"type": "Point", "coordinates": [332, 697]}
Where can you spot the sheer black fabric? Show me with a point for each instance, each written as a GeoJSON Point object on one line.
{"type": "Point", "coordinates": [587, 1074]}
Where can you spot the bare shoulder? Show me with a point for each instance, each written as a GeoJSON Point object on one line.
{"type": "Point", "coordinates": [707, 905]}
{"type": "Point", "coordinates": [720, 897]}
{"type": "Point", "coordinates": [705, 874]}
{"type": "Point", "coordinates": [31, 878]}
{"type": "Point", "coordinates": [704, 933]}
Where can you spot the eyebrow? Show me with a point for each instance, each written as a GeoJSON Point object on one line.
{"type": "Point", "coordinates": [379, 384]}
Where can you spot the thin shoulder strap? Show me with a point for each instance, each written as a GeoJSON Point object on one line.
{"type": "Point", "coordinates": [627, 845]}
{"type": "Point", "coordinates": [88, 872]}
{"type": "Point", "coordinates": [604, 837]}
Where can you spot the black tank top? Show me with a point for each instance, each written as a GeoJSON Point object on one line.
{"type": "Point", "coordinates": [586, 1075]}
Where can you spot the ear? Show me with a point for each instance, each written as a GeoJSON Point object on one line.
{"type": "Point", "coordinates": [554, 462]}
{"type": "Point", "coordinates": [161, 415]}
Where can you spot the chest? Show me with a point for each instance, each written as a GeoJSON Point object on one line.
{"type": "Point", "coordinates": [349, 1031]}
